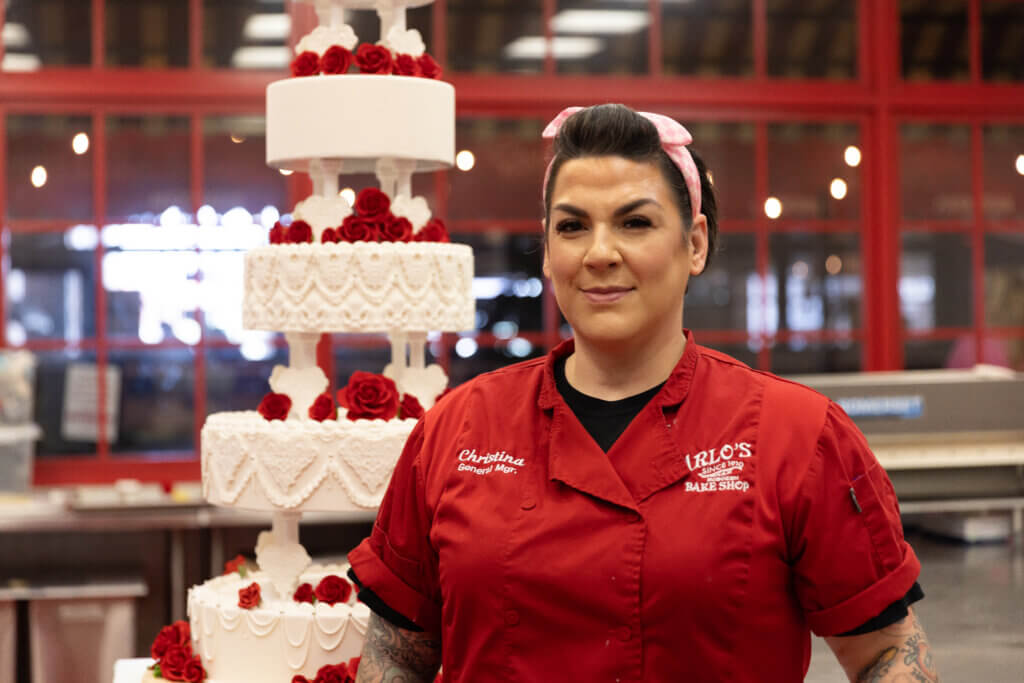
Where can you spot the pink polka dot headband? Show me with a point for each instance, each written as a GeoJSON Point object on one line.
{"type": "Point", "coordinates": [674, 139]}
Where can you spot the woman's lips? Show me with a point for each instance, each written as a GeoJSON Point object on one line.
{"type": "Point", "coordinates": [605, 295]}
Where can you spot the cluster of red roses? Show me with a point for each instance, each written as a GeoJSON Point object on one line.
{"type": "Point", "coordinates": [332, 589]}
{"type": "Point", "coordinates": [371, 221]}
{"type": "Point", "coordinates": [369, 58]}
{"type": "Point", "coordinates": [333, 673]}
{"type": "Point", "coordinates": [366, 397]}
{"type": "Point", "coordinates": [172, 651]}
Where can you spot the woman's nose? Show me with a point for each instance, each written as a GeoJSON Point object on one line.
{"type": "Point", "coordinates": [603, 250]}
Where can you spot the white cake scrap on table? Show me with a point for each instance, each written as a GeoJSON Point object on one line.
{"type": "Point", "coordinates": [384, 264]}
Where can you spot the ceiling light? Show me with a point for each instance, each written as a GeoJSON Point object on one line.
{"type": "Point", "coordinates": [772, 207]}
{"type": "Point", "coordinates": [14, 61]}
{"type": "Point", "coordinates": [261, 57]}
{"type": "Point", "coordinates": [851, 155]}
{"type": "Point", "coordinates": [267, 27]}
{"type": "Point", "coordinates": [562, 47]}
{"type": "Point", "coordinates": [349, 195]}
{"type": "Point", "coordinates": [838, 188]}
{"type": "Point", "coordinates": [465, 160]}
{"type": "Point", "coordinates": [833, 264]}
{"type": "Point", "coordinates": [38, 176]}
{"type": "Point", "coordinates": [1020, 164]}
{"type": "Point", "coordinates": [237, 139]}
{"type": "Point", "coordinates": [600, 21]}
{"type": "Point", "coordinates": [15, 36]}
{"type": "Point", "coordinates": [286, 171]}
{"type": "Point", "coordinates": [80, 143]}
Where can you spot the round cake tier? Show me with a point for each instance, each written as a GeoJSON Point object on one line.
{"type": "Point", "coordinates": [359, 119]}
{"type": "Point", "coordinates": [299, 465]}
{"type": "Point", "coordinates": [277, 640]}
{"type": "Point", "coordinates": [359, 287]}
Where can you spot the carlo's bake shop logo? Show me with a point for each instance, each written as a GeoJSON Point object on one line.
{"type": "Point", "coordinates": [495, 461]}
{"type": "Point", "coordinates": [719, 468]}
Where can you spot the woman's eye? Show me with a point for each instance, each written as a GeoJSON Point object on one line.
{"type": "Point", "coordinates": [638, 222]}
{"type": "Point", "coordinates": [569, 225]}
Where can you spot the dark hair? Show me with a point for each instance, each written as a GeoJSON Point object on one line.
{"type": "Point", "coordinates": [617, 130]}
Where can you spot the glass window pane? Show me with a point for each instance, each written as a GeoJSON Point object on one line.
{"type": "Point", "coordinates": [147, 33]}
{"type": "Point", "coordinates": [50, 286]}
{"type": "Point", "coordinates": [1004, 280]}
{"type": "Point", "coordinates": [246, 34]}
{"type": "Point", "coordinates": [1004, 172]}
{"type": "Point", "coordinates": [505, 183]}
{"type": "Point", "coordinates": [495, 36]}
{"type": "Point", "coordinates": [51, 376]}
{"type": "Point", "coordinates": [818, 280]}
{"type": "Point", "coordinates": [40, 33]}
{"type": "Point", "coordinates": [797, 357]}
{"type": "Point", "coordinates": [235, 172]}
{"type": "Point", "coordinates": [935, 280]}
{"type": "Point", "coordinates": [366, 24]}
{"type": "Point", "coordinates": [507, 282]}
{"type": "Point", "coordinates": [485, 359]}
{"type": "Point", "coordinates": [157, 400]}
{"type": "Point", "coordinates": [741, 352]}
{"type": "Point", "coordinates": [148, 165]}
{"type": "Point", "coordinates": [49, 166]}
{"type": "Point", "coordinates": [610, 38]}
{"type": "Point", "coordinates": [369, 353]}
{"type": "Point", "coordinates": [711, 38]}
{"type": "Point", "coordinates": [935, 172]}
{"type": "Point", "coordinates": [1002, 40]}
{"type": "Point", "coordinates": [728, 152]}
{"type": "Point", "coordinates": [238, 378]}
{"type": "Point", "coordinates": [933, 40]}
{"type": "Point", "coordinates": [149, 276]}
{"type": "Point", "coordinates": [930, 354]}
{"type": "Point", "coordinates": [808, 173]}
{"type": "Point", "coordinates": [719, 299]}
{"type": "Point", "coordinates": [811, 40]}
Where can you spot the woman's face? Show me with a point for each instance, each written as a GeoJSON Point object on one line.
{"type": "Point", "coordinates": [617, 253]}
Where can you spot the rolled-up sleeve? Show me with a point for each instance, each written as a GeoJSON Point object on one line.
{"type": "Point", "coordinates": [397, 561]}
{"type": "Point", "coordinates": [850, 560]}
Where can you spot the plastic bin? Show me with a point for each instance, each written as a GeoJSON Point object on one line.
{"type": "Point", "coordinates": [17, 448]}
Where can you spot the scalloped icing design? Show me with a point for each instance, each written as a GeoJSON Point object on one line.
{"type": "Point", "coordinates": [359, 287]}
{"type": "Point", "coordinates": [277, 640]}
{"type": "Point", "coordinates": [283, 464]}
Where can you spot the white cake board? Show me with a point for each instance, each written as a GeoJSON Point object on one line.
{"type": "Point", "coordinates": [131, 670]}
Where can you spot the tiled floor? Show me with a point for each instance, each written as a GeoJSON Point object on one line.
{"type": "Point", "coordinates": [973, 612]}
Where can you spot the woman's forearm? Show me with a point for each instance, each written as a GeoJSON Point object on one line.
{"type": "Point", "coordinates": [393, 654]}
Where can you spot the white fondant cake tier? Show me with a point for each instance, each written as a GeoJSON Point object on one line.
{"type": "Point", "coordinates": [358, 119]}
{"type": "Point", "coordinates": [359, 287]}
{"type": "Point", "coordinates": [299, 465]}
{"type": "Point", "coordinates": [277, 640]}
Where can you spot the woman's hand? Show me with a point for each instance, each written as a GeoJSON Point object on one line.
{"type": "Point", "coordinates": [396, 655]}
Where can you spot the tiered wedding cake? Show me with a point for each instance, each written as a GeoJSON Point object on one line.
{"type": "Point", "coordinates": [382, 265]}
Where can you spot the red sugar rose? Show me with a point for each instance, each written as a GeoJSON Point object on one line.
{"type": "Point", "coordinates": [304, 593]}
{"type": "Point", "coordinates": [232, 566]}
{"type": "Point", "coordinates": [353, 666]}
{"type": "Point", "coordinates": [428, 67]}
{"type": "Point", "coordinates": [372, 203]}
{"type": "Point", "coordinates": [249, 596]}
{"type": "Point", "coordinates": [275, 406]}
{"type": "Point", "coordinates": [369, 396]}
{"type": "Point", "coordinates": [336, 60]}
{"type": "Point", "coordinates": [297, 678]}
{"type": "Point", "coordinates": [299, 232]}
{"type": "Point", "coordinates": [278, 233]}
{"type": "Point", "coordinates": [323, 408]}
{"type": "Point", "coordinates": [356, 229]}
{"type": "Point", "coordinates": [194, 671]}
{"type": "Point", "coordinates": [329, 235]}
{"type": "Point", "coordinates": [410, 408]}
{"type": "Point", "coordinates": [333, 589]}
{"type": "Point", "coordinates": [406, 65]}
{"type": "Point", "coordinates": [174, 634]}
{"type": "Point", "coordinates": [374, 59]}
{"type": "Point", "coordinates": [396, 229]}
{"type": "Point", "coordinates": [306, 64]}
{"type": "Point", "coordinates": [433, 231]}
{"type": "Point", "coordinates": [333, 673]}
{"type": "Point", "coordinates": [174, 661]}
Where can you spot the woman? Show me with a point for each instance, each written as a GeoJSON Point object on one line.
{"type": "Point", "coordinates": [634, 506]}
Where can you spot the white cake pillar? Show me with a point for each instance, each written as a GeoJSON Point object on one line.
{"type": "Point", "coordinates": [387, 176]}
{"type": "Point", "coordinates": [417, 350]}
{"type": "Point", "coordinates": [302, 349]}
{"type": "Point", "coordinates": [285, 527]}
{"type": "Point", "coordinates": [405, 169]}
{"type": "Point", "coordinates": [398, 355]}
{"type": "Point", "coordinates": [329, 170]}
{"type": "Point", "coordinates": [280, 555]}
{"type": "Point", "coordinates": [391, 17]}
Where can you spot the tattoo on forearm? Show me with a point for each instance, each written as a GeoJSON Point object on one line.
{"type": "Point", "coordinates": [911, 662]}
{"type": "Point", "coordinates": [394, 655]}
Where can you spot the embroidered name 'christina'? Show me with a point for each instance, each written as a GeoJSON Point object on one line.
{"type": "Point", "coordinates": [470, 455]}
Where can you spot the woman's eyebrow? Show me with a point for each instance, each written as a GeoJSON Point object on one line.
{"type": "Point", "coordinates": [621, 211]}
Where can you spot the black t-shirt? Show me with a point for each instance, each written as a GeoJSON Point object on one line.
{"type": "Point", "coordinates": [605, 421]}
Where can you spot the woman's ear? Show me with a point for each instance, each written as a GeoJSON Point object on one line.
{"type": "Point", "coordinates": [697, 242]}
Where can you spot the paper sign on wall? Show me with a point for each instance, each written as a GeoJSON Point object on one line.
{"type": "Point", "coordinates": [80, 419]}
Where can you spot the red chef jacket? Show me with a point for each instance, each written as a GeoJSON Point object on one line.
{"type": "Point", "coordinates": [737, 513]}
